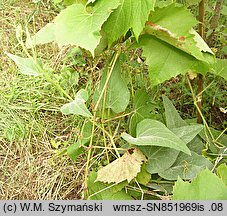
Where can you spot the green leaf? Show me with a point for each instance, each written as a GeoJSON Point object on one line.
{"type": "Point", "coordinates": [224, 10]}
{"type": "Point", "coordinates": [44, 35]}
{"type": "Point", "coordinates": [171, 16]}
{"type": "Point", "coordinates": [222, 172]}
{"type": "Point", "coordinates": [186, 166]}
{"type": "Point", "coordinates": [183, 50]}
{"type": "Point", "coordinates": [196, 145]}
{"type": "Point", "coordinates": [192, 2]}
{"type": "Point", "coordinates": [76, 149]}
{"type": "Point", "coordinates": [163, 3]}
{"type": "Point", "coordinates": [159, 158]}
{"type": "Point", "coordinates": [76, 25]}
{"type": "Point", "coordinates": [171, 63]}
{"type": "Point", "coordinates": [220, 68]}
{"type": "Point", "coordinates": [143, 177]}
{"type": "Point", "coordinates": [117, 93]}
{"type": "Point", "coordinates": [80, 27]}
{"type": "Point", "coordinates": [70, 2]}
{"type": "Point", "coordinates": [177, 125]}
{"type": "Point", "coordinates": [218, 136]}
{"type": "Point", "coordinates": [142, 109]}
{"type": "Point", "coordinates": [101, 191]}
{"type": "Point", "coordinates": [206, 186]}
{"type": "Point", "coordinates": [26, 65]}
{"type": "Point", "coordinates": [86, 133]}
{"type": "Point", "coordinates": [200, 43]}
{"type": "Point", "coordinates": [187, 133]}
{"type": "Point", "coordinates": [103, 44]}
{"type": "Point", "coordinates": [130, 14]}
{"type": "Point", "coordinates": [154, 133]}
{"type": "Point", "coordinates": [165, 24]}
{"type": "Point", "coordinates": [173, 119]}
{"type": "Point", "coordinates": [77, 107]}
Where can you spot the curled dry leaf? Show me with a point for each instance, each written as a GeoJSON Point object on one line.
{"type": "Point", "coordinates": [124, 168]}
{"type": "Point", "coordinates": [192, 75]}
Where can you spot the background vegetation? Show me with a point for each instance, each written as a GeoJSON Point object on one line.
{"type": "Point", "coordinates": [38, 158]}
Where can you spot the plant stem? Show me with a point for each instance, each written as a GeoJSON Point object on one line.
{"type": "Point", "coordinates": [199, 100]}
{"type": "Point", "coordinates": [107, 80]}
{"type": "Point", "coordinates": [198, 110]}
{"type": "Point", "coordinates": [200, 77]}
{"type": "Point", "coordinates": [112, 64]}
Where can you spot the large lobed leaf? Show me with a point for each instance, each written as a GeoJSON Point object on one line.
{"type": "Point", "coordinates": [220, 68]}
{"type": "Point", "coordinates": [124, 168]}
{"type": "Point", "coordinates": [222, 172]}
{"type": "Point", "coordinates": [78, 25]}
{"type": "Point", "coordinates": [130, 14]}
{"type": "Point", "coordinates": [170, 63]}
{"type": "Point", "coordinates": [154, 133]}
{"type": "Point", "coordinates": [206, 186]}
{"type": "Point", "coordinates": [182, 49]}
{"type": "Point", "coordinates": [165, 24]}
{"type": "Point", "coordinates": [44, 35]}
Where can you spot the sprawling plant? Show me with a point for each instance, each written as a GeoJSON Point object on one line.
{"type": "Point", "coordinates": [168, 149]}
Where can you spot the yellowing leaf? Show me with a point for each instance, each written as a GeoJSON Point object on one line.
{"type": "Point", "coordinates": [139, 155]}
{"type": "Point", "coordinates": [200, 43]}
{"type": "Point", "coordinates": [124, 168]}
{"type": "Point", "coordinates": [192, 75]}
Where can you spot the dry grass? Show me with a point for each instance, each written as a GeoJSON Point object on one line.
{"type": "Point", "coordinates": [30, 167]}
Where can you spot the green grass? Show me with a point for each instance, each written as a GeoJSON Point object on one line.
{"type": "Point", "coordinates": [30, 166]}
